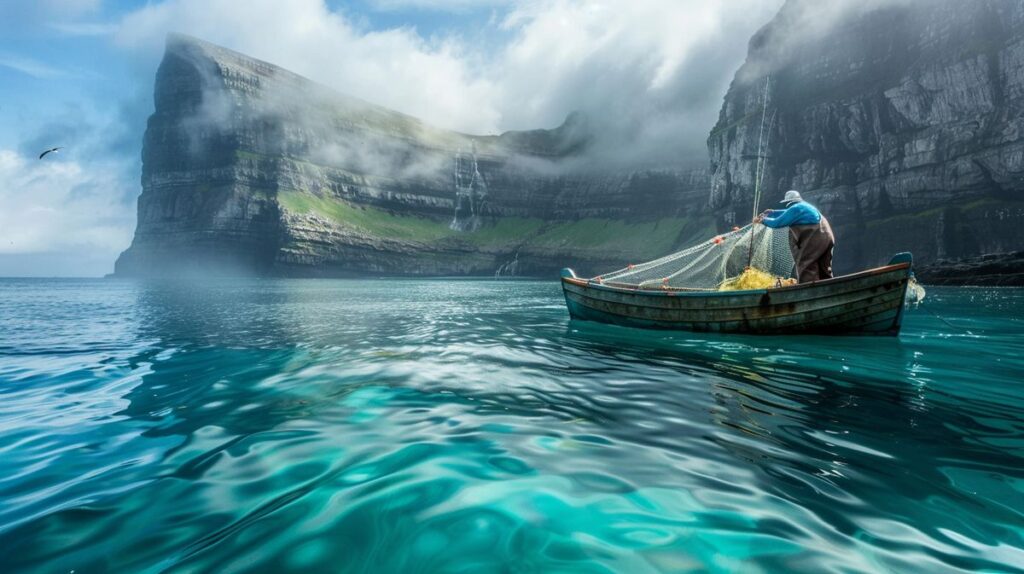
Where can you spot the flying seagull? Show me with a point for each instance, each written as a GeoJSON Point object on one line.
{"type": "Point", "coordinates": [51, 150]}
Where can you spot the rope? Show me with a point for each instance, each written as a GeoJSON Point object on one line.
{"type": "Point", "coordinates": [940, 318]}
{"type": "Point", "coordinates": [759, 173]}
{"type": "Point", "coordinates": [760, 147]}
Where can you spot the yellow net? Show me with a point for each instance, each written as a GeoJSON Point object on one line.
{"type": "Point", "coordinates": [753, 278]}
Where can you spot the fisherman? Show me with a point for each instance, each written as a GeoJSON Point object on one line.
{"type": "Point", "coordinates": [810, 236]}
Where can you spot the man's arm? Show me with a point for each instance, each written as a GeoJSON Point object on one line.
{"type": "Point", "coordinates": [767, 213]}
{"type": "Point", "coordinates": [781, 218]}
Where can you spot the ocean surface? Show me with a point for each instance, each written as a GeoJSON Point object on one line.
{"type": "Point", "coordinates": [469, 426]}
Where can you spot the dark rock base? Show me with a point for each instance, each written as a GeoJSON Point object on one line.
{"type": "Point", "coordinates": [996, 269]}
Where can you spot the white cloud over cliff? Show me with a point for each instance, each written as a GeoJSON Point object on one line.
{"type": "Point", "coordinates": [650, 75]}
{"type": "Point", "coordinates": [652, 71]}
{"type": "Point", "coordinates": [396, 68]}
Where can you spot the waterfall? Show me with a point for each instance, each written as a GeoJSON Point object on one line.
{"type": "Point", "coordinates": [509, 268]}
{"type": "Point", "coordinates": [470, 192]}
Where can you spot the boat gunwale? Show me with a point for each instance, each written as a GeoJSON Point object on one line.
{"type": "Point", "coordinates": [684, 293]}
{"type": "Point", "coordinates": [882, 305]}
{"type": "Point", "coordinates": [859, 293]}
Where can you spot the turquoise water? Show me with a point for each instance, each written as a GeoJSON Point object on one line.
{"type": "Point", "coordinates": [468, 426]}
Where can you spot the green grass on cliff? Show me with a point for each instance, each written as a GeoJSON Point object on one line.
{"type": "Point", "coordinates": [934, 212]}
{"type": "Point", "coordinates": [595, 237]}
{"type": "Point", "coordinates": [364, 218]}
{"type": "Point", "coordinates": [642, 240]}
{"type": "Point", "coordinates": [507, 231]}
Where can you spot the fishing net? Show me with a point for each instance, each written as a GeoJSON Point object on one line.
{"type": "Point", "coordinates": [754, 257]}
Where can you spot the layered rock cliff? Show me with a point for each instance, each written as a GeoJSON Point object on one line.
{"type": "Point", "coordinates": [903, 121]}
{"type": "Point", "coordinates": [248, 168]}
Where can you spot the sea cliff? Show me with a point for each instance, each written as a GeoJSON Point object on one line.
{"type": "Point", "coordinates": [249, 168]}
{"type": "Point", "coordinates": [903, 121]}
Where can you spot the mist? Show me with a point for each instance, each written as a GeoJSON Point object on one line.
{"type": "Point", "coordinates": [649, 76]}
{"type": "Point", "coordinates": [804, 22]}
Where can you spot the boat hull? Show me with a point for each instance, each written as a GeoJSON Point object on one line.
{"type": "Point", "coordinates": [865, 303]}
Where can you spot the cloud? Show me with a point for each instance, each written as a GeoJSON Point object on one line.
{"type": "Point", "coordinates": [72, 212]}
{"type": "Point", "coordinates": [396, 68]}
{"type": "Point", "coordinates": [649, 74]}
{"type": "Point", "coordinates": [83, 28]}
{"type": "Point", "coordinates": [58, 206]}
{"type": "Point", "coordinates": [66, 7]}
{"type": "Point", "coordinates": [66, 129]}
{"type": "Point", "coordinates": [26, 19]}
{"type": "Point", "coordinates": [438, 5]}
{"type": "Point", "coordinates": [31, 67]}
{"type": "Point", "coordinates": [801, 23]}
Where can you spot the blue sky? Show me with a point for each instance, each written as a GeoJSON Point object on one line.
{"type": "Point", "coordinates": [79, 74]}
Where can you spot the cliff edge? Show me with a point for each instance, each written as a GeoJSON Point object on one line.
{"type": "Point", "coordinates": [249, 168]}
{"type": "Point", "coordinates": [903, 121]}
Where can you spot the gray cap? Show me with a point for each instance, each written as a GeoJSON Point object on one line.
{"type": "Point", "coordinates": [792, 196]}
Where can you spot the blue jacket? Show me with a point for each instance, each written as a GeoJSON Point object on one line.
{"type": "Point", "coordinates": [800, 213]}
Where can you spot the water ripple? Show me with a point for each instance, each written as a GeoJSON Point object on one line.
{"type": "Point", "coordinates": [468, 426]}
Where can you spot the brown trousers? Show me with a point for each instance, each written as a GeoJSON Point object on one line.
{"type": "Point", "coordinates": [812, 247]}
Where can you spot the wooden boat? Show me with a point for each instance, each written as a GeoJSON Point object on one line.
{"type": "Point", "coordinates": [865, 303]}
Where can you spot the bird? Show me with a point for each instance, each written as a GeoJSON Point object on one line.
{"type": "Point", "coordinates": [51, 150]}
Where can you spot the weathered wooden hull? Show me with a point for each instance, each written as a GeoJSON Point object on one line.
{"type": "Point", "coordinates": [865, 303]}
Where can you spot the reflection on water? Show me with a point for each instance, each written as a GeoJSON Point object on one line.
{"type": "Point", "coordinates": [468, 426]}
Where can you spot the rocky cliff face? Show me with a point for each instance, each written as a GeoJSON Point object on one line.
{"type": "Point", "coordinates": [903, 122]}
{"type": "Point", "coordinates": [248, 168]}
